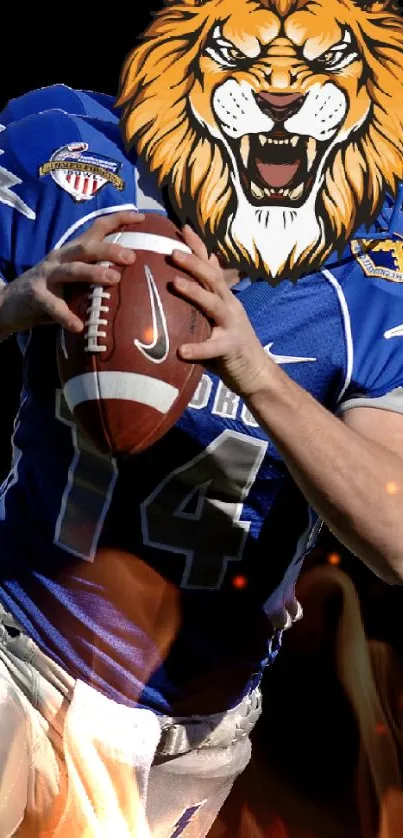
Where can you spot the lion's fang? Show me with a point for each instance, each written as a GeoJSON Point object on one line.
{"type": "Point", "coordinates": [256, 191]}
{"type": "Point", "coordinates": [311, 152]}
{"type": "Point", "coordinates": [296, 193]}
{"type": "Point", "coordinates": [245, 148]}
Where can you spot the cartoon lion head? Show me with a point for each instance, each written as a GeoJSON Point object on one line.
{"type": "Point", "coordinates": [275, 125]}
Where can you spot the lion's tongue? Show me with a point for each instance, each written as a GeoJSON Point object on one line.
{"type": "Point", "coordinates": [277, 175]}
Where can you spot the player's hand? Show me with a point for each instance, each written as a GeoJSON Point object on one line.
{"type": "Point", "coordinates": [233, 350]}
{"type": "Point", "coordinates": [37, 296]}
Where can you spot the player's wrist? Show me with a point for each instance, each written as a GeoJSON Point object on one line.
{"type": "Point", "coordinates": [6, 329]}
{"type": "Point", "coordinates": [272, 387]}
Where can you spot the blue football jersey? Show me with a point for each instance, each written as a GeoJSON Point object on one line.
{"type": "Point", "coordinates": [161, 579]}
{"type": "Point", "coordinates": [62, 98]}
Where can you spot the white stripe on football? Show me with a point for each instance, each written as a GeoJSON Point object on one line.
{"type": "Point", "coordinates": [124, 386]}
{"type": "Point", "coordinates": [147, 241]}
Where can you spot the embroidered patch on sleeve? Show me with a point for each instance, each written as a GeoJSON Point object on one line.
{"type": "Point", "coordinates": [82, 175]}
{"type": "Point", "coordinates": [383, 259]}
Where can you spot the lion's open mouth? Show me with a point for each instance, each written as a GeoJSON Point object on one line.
{"type": "Point", "coordinates": [279, 168]}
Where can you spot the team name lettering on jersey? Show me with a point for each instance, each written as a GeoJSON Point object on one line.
{"type": "Point", "coordinates": [226, 403]}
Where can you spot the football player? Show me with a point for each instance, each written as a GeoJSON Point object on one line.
{"type": "Point", "coordinates": [142, 600]}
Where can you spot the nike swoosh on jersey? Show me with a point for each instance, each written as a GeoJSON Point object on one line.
{"type": "Point", "coordinates": [158, 349]}
{"type": "Point", "coordinates": [396, 332]}
{"type": "Point", "coordinates": [287, 359]}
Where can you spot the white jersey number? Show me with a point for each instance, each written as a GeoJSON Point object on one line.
{"type": "Point", "coordinates": [90, 484]}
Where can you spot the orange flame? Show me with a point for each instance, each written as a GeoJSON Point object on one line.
{"type": "Point", "coordinates": [99, 798]}
{"type": "Point", "coordinates": [98, 795]}
{"type": "Point", "coordinates": [372, 681]}
{"type": "Point", "coordinates": [391, 825]}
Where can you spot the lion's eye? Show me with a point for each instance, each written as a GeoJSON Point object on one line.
{"type": "Point", "coordinates": [223, 52]}
{"type": "Point", "coordinates": [339, 56]}
{"type": "Point", "coordinates": [336, 60]}
{"type": "Point", "coordinates": [332, 58]}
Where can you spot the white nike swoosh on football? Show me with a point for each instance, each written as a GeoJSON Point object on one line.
{"type": "Point", "coordinates": [158, 349]}
{"type": "Point", "coordinates": [287, 359]}
{"type": "Point", "coordinates": [397, 332]}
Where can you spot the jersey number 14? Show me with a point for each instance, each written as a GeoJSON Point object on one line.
{"type": "Point", "coordinates": [195, 511]}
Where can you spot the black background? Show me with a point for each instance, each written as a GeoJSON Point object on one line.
{"type": "Point", "coordinates": [73, 48]}
{"type": "Point", "coordinates": [81, 48]}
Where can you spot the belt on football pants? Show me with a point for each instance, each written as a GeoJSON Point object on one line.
{"type": "Point", "coordinates": [178, 736]}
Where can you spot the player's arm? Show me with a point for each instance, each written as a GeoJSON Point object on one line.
{"type": "Point", "coordinates": [37, 216]}
{"type": "Point", "coordinates": [37, 296]}
{"type": "Point", "coordinates": [350, 470]}
{"type": "Point", "coordinates": [346, 469]}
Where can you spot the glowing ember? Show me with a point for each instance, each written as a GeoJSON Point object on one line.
{"type": "Point", "coordinates": [334, 559]}
{"type": "Point", "coordinates": [148, 335]}
{"type": "Point", "coordinates": [380, 729]}
{"type": "Point", "coordinates": [393, 488]}
{"type": "Point", "coordinates": [240, 582]}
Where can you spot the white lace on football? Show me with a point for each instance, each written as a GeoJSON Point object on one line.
{"type": "Point", "coordinates": [95, 335]}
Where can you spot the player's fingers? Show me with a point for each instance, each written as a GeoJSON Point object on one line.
{"type": "Point", "coordinates": [107, 224]}
{"type": "Point", "coordinates": [102, 227]}
{"type": "Point", "coordinates": [81, 272]}
{"type": "Point", "coordinates": [204, 272]}
{"type": "Point", "coordinates": [195, 242]}
{"type": "Point", "coordinates": [206, 351]}
{"type": "Point", "coordinates": [211, 304]}
{"type": "Point", "coordinates": [93, 250]}
{"type": "Point", "coordinates": [213, 260]}
{"type": "Point", "coordinates": [57, 309]}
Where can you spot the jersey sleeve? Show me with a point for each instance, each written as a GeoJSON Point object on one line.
{"type": "Point", "coordinates": [59, 97]}
{"type": "Point", "coordinates": [58, 172]}
{"type": "Point", "coordinates": [375, 338]}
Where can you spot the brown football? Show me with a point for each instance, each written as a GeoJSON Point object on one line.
{"type": "Point", "coordinates": [122, 378]}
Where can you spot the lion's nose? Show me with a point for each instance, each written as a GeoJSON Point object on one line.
{"type": "Point", "coordinates": [280, 106]}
